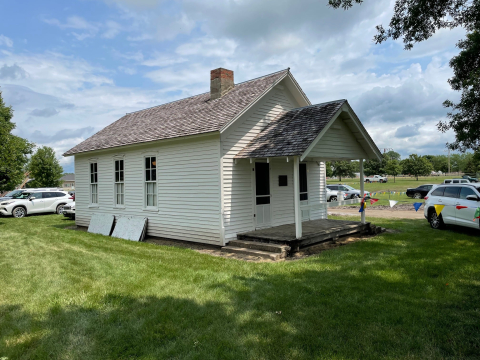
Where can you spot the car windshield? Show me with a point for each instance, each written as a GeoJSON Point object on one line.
{"type": "Point", "coordinates": [13, 193]}
{"type": "Point", "coordinates": [23, 195]}
{"type": "Point", "coordinates": [349, 187]}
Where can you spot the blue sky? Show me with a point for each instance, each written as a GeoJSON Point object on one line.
{"type": "Point", "coordinates": [71, 68]}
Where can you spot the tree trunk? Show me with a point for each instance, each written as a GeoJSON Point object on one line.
{"type": "Point", "coordinates": [393, 178]}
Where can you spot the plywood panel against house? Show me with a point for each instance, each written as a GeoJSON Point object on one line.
{"type": "Point", "coordinates": [188, 182]}
{"type": "Point", "coordinates": [339, 143]}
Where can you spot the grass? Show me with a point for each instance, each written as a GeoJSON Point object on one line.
{"type": "Point", "coordinates": [73, 295]}
{"type": "Point", "coordinates": [401, 184]}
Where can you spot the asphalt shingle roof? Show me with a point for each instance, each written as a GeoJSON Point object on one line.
{"type": "Point", "coordinates": [190, 116]}
{"type": "Point", "coordinates": [292, 132]}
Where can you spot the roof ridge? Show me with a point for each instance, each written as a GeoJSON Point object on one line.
{"type": "Point", "coordinates": [206, 92]}
{"type": "Point", "coordinates": [313, 105]}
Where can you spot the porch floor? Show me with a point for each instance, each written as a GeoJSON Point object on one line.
{"type": "Point", "coordinates": [313, 232]}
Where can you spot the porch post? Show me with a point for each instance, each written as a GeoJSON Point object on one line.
{"type": "Point", "coordinates": [296, 191]}
{"type": "Point", "coordinates": [362, 188]}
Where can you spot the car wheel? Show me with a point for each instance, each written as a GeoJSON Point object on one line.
{"type": "Point", "coordinates": [417, 196]}
{"type": "Point", "coordinates": [381, 181]}
{"type": "Point", "coordinates": [333, 198]}
{"type": "Point", "coordinates": [60, 209]}
{"type": "Point", "coordinates": [19, 212]}
{"type": "Point", "coordinates": [436, 221]}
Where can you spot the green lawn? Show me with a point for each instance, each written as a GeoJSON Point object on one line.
{"type": "Point", "coordinates": [401, 184]}
{"type": "Point", "coordinates": [73, 295]}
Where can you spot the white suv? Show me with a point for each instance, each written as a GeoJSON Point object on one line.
{"type": "Point", "coordinates": [34, 202]}
{"type": "Point", "coordinates": [460, 201]}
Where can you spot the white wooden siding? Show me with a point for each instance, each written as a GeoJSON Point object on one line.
{"type": "Point", "coordinates": [187, 189]}
{"type": "Point", "coordinates": [238, 204]}
{"type": "Point", "coordinates": [317, 188]}
{"type": "Point", "coordinates": [338, 142]}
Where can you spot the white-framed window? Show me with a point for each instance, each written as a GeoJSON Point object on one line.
{"type": "Point", "coordinates": [150, 181]}
{"type": "Point", "coordinates": [93, 183]}
{"type": "Point", "coordinates": [119, 183]}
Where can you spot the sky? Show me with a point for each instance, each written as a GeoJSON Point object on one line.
{"type": "Point", "coordinates": [69, 69]}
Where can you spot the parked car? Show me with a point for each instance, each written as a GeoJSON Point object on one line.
{"type": "Point", "coordinates": [351, 192]}
{"type": "Point", "coordinates": [456, 181]}
{"type": "Point", "coordinates": [69, 210]}
{"type": "Point", "coordinates": [420, 192]}
{"type": "Point", "coordinates": [332, 195]}
{"type": "Point", "coordinates": [469, 178]}
{"type": "Point", "coordinates": [461, 202]}
{"type": "Point", "coordinates": [376, 178]}
{"type": "Point", "coordinates": [11, 193]}
{"type": "Point", "coordinates": [34, 202]}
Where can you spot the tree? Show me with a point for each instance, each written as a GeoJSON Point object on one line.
{"type": "Point", "coordinates": [373, 167]}
{"type": "Point", "coordinates": [392, 155]}
{"type": "Point", "coordinates": [45, 169]}
{"type": "Point", "coordinates": [465, 115]}
{"type": "Point", "coordinates": [416, 21]}
{"type": "Point", "coordinates": [14, 151]}
{"type": "Point", "coordinates": [393, 168]}
{"type": "Point", "coordinates": [328, 169]}
{"type": "Point", "coordinates": [417, 166]}
{"type": "Point", "coordinates": [343, 168]}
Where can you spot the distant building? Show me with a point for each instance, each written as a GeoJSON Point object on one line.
{"type": "Point", "coordinates": [68, 181]}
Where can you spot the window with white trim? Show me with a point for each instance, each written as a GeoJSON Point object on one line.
{"type": "Point", "coordinates": [150, 181]}
{"type": "Point", "coordinates": [93, 183]}
{"type": "Point", "coordinates": [119, 183]}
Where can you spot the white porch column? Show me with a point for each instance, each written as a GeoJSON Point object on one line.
{"type": "Point", "coordinates": [362, 188]}
{"type": "Point", "coordinates": [296, 191]}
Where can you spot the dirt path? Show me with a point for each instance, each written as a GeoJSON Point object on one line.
{"type": "Point", "coordinates": [384, 213]}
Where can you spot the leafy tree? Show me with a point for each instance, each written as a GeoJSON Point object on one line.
{"type": "Point", "coordinates": [343, 168]}
{"type": "Point", "coordinates": [417, 166]}
{"type": "Point", "coordinates": [13, 151]}
{"type": "Point", "coordinates": [373, 167]}
{"type": "Point", "coordinates": [392, 155]}
{"type": "Point", "coordinates": [416, 21]}
{"type": "Point", "coordinates": [329, 169]}
{"type": "Point", "coordinates": [45, 168]}
{"type": "Point", "coordinates": [465, 115]}
{"type": "Point", "coordinates": [393, 167]}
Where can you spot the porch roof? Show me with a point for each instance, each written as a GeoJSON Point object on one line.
{"type": "Point", "coordinates": [296, 132]}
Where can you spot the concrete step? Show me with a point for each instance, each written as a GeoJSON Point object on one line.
{"type": "Point", "coordinates": [255, 245]}
{"type": "Point", "coordinates": [253, 252]}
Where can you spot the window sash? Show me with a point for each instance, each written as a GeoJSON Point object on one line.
{"type": "Point", "coordinates": [93, 183]}
{"type": "Point", "coordinates": [119, 194]}
{"type": "Point", "coordinates": [119, 182]}
{"type": "Point", "coordinates": [150, 181]}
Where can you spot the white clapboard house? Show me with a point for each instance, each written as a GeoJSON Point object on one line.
{"type": "Point", "coordinates": [238, 158]}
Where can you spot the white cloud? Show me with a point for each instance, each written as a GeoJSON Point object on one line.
{"type": "Point", "coordinates": [73, 22]}
{"type": "Point", "coordinates": [113, 29]}
{"type": "Point", "coordinates": [5, 41]}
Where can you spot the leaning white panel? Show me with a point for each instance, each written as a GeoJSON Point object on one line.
{"type": "Point", "coordinates": [130, 228]}
{"type": "Point", "coordinates": [101, 224]}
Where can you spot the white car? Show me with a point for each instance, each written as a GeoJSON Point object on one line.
{"type": "Point", "coordinates": [69, 210]}
{"type": "Point", "coordinates": [35, 202]}
{"type": "Point", "coordinates": [332, 195]}
{"type": "Point", "coordinates": [460, 203]}
{"type": "Point", "coordinates": [376, 178]}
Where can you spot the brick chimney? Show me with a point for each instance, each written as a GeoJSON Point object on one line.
{"type": "Point", "coordinates": [221, 82]}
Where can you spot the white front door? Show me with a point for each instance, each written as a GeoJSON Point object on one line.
{"type": "Point", "coordinates": [304, 191]}
{"type": "Point", "coordinates": [262, 195]}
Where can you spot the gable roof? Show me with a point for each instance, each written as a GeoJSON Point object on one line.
{"type": "Point", "coordinates": [295, 131]}
{"type": "Point", "coordinates": [191, 116]}
{"type": "Point", "coordinates": [68, 177]}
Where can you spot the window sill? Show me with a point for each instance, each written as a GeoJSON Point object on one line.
{"type": "Point", "coordinates": [151, 209]}
{"type": "Point", "coordinates": [93, 206]}
{"type": "Point", "coordinates": [119, 207]}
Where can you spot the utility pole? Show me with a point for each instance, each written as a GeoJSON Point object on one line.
{"type": "Point", "coordinates": [448, 160]}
